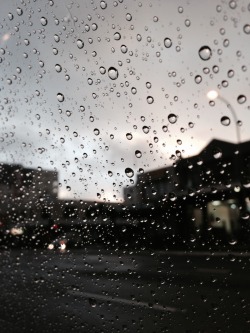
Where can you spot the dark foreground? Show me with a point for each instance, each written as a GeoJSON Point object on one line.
{"type": "Point", "coordinates": [96, 290]}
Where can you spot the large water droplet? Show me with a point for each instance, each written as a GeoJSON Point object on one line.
{"type": "Point", "coordinates": [241, 99]}
{"type": "Point", "coordinates": [198, 79]}
{"type": "Point", "coordinates": [172, 118]}
{"type": "Point", "coordinates": [128, 17]}
{"type": "Point", "coordinates": [145, 129]}
{"type": "Point", "coordinates": [44, 21]}
{"type": "Point", "coordinates": [79, 43]}
{"type": "Point", "coordinates": [150, 99]}
{"type": "Point", "coordinates": [246, 28]}
{"type": "Point", "coordinates": [129, 172]}
{"type": "Point", "coordinates": [225, 121]}
{"type": "Point", "coordinates": [129, 136]}
{"type": "Point", "coordinates": [113, 73]}
{"type": "Point", "coordinates": [138, 153]}
{"type": "Point", "coordinates": [217, 153]}
{"type": "Point", "coordinates": [124, 49]}
{"type": "Point", "coordinates": [167, 42]}
{"type": "Point", "coordinates": [205, 53]}
{"type": "Point", "coordinates": [103, 4]}
{"type": "Point", "coordinates": [96, 131]}
{"type": "Point", "coordinates": [60, 97]}
{"type": "Point", "coordinates": [117, 36]}
{"type": "Point", "coordinates": [58, 68]}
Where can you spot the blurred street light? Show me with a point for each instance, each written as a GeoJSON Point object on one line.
{"type": "Point", "coordinates": [212, 95]}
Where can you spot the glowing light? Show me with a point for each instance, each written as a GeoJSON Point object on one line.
{"type": "Point", "coordinates": [51, 246]}
{"type": "Point", "coordinates": [212, 94]}
{"type": "Point", "coordinates": [16, 231]}
{"type": "Point", "coordinates": [5, 37]}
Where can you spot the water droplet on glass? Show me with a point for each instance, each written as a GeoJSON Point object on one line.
{"type": "Point", "coordinates": [128, 17]}
{"type": "Point", "coordinates": [10, 16]}
{"type": "Point", "coordinates": [124, 49]}
{"type": "Point", "coordinates": [145, 129]}
{"type": "Point", "coordinates": [187, 23]}
{"type": "Point", "coordinates": [129, 136]}
{"type": "Point", "coordinates": [230, 73]}
{"type": "Point", "coordinates": [167, 42]}
{"type": "Point", "coordinates": [96, 131]}
{"type": "Point", "coordinates": [172, 118]}
{"type": "Point", "coordinates": [150, 99]}
{"type": "Point", "coordinates": [60, 97]}
{"type": "Point", "coordinates": [113, 73]}
{"type": "Point", "coordinates": [103, 4]}
{"type": "Point", "coordinates": [246, 28]}
{"type": "Point", "coordinates": [19, 11]}
{"type": "Point", "coordinates": [164, 128]}
{"type": "Point", "coordinates": [110, 173]}
{"type": "Point", "coordinates": [205, 53]}
{"type": "Point", "coordinates": [225, 121]}
{"type": "Point", "coordinates": [102, 70]}
{"type": "Point", "coordinates": [55, 51]}
{"type": "Point", "coordinates": [172, 196]}
{"type": "Point", "coordinates": [117, 36]}
{"type": "Point", "coordinates": [92, 301]}
{"type": "Point", "coordinates": [129, 172]}
{"type": "Point", "coordinates": [191, 125]}
{"type": "Point", "coordinates": [56, 38]}
{"type": "Point", "coordinates": [198, 79]}
{"type": "Point", "coordinates": [79, 43]}
{"type": "Point", "coordinates": [217, 153]}
{"type": "Point", "coordinates": [241, 99]}
{"type": "Point", "coordinates": [138, 153]}
{"type": "Point", "coordinates": [148, 85]}
{"type": "Point", "coordinates": [44, 21]}
{"type": "Point", "coordinates": [58, 68]}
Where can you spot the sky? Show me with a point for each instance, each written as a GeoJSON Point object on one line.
{"type": "Point", "coordinates": [93, 89]}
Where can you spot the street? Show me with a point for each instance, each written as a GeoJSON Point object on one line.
{"type": "Point", "coordinates": [96, 290]}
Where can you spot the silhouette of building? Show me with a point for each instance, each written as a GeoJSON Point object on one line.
{"type": "Point", "coordinates": [196, 195]}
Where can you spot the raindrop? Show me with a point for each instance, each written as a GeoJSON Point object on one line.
{"type": "Point", "coordinates": [167, 42]}
{"type": "Point", "coordinates": [150, 100]}
{"type": "Point", "coordinates": [124, 49]}
{"type": "Point", "coordinates": [138, 153]}
{"type": "Point", "coordinates": [246, 28]}
{"type": "Point", "coordinates": [241, 99]}
{"type": "Point", "coordinates": [103, 4]}
{"type": "Point", "coordinates": [172, 196]}
{"type": "Point", "coordinates": [117, 36]}
{"type": "Point", "coordinates": [128, 17]}
{"type": "Point", "coordinates": [102, 70]}
{"type": "Point", "coordinates": [110, 173]}
{"type": "Point", "coordinates": [191, 125]}
{"type": "Point", "coordinates": [172, 118]}
{"type": "Point", "coordinates": [187, 23]}
{"type": "Point", "coordinates": [96, 131]}
{"type": "Point", "coordinates": [164, 128]}
{"type": "Point", "coordinates": [79, 43]}
{"type": "Point", "coordinates": [44, 21]}
{"type": "Point", "coordinates": [19, 11]}
{"type": "Point", "coordinates": [60, 97]}
{"type": "Point", "coordinates": [230, 73]}
{"type": "Point", "coordinates": [55, 51]}
{"type": "Point", "coordinates": [129, 172]}
{"type": "Point", "coordinates": [129, 136]}
{"type": "Point", "coordinates": [217, 153]}
{"type": "Point", "coordinates": [225, 121]}
{"type": "Point", "coordinates": [205, 53]}
{"type": "Point", "coordinates": [145, 129]}
{"type": "Point", "coordinates": [92, 301]}
{"type": "Point", "coordinates": [198, 79]}
{"type": "Point", "coordinates": [133, 90]}
{"type": "Point", "coordinates": [148, 85]}
{"type": "Point", "coordinates": [10, 16]}
{"type": "Point", "coordinates": [113, 73]}
{"type": "Point", "coordinates": [56, 38]}
{"type": "Point", "coordinates": [58, 68]}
